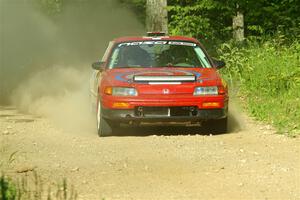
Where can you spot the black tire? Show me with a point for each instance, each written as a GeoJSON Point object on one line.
{"type": "Point", "coordinates": [216, 126]}
{"type": "Point", "coordinates": [104, 128]}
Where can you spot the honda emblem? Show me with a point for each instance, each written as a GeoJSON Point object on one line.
{"type": "Point", "coordinates": [166, 91]}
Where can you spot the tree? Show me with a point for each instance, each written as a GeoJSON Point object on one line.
{"type": "Point", "coordinates": [156, 16]}
{"type": "Point", "coordinates": [221, 20]}
{"type": "Point", "coordinates": [238, 25]}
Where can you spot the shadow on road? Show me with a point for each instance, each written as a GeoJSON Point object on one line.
{"type": "Point", "coordinates": [161, 130]}
{"type": "Point", "coordinates": [234, 125]}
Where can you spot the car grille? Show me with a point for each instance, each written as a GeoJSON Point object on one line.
{"type": "Point", "coordinates": [165, 111]}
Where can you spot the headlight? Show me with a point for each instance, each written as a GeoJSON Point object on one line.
{"type": "Point", "coordinates": [213, 90]}
{"type": "Point", "coordinates": [120, 91]}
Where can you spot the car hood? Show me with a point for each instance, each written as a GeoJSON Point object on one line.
{"type": "Point", "coordinates": [125, 76]}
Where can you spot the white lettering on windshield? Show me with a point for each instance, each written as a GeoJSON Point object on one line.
{"type": "Point", "coordinates": [182, 43]}
{"type": "Point", "coordinates": [157, 43]}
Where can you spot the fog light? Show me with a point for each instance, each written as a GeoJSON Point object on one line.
{"type": "Point", "coordinates": [120, 105]}
{"type": "Point", "coordinates": [211, 104]}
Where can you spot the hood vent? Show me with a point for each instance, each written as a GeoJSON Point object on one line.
{"type": "Point", "coordinates": [189, 78]}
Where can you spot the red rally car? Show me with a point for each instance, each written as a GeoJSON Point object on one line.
{"type": "Point", "coordinates": [158, 79]}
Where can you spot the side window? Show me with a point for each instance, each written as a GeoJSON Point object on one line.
{"type": "Point", "coordinates": [107, 51]}
{"type": "Point", "coordinates": [202, 57]}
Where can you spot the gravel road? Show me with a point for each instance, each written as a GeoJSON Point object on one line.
{"type": "Point", "coordinates": [250, 162]}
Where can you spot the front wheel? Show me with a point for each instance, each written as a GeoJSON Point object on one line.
{"type": "Point", "coordinates": [103, 127]}
{"type": "Point", "coordinates": [216, 126]}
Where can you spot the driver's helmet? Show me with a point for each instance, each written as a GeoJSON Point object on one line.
{"type": "Point", "coordinates": [177, 51]}
{"type": "Point", "coordinates": [135, 55]}
{"type": "Point", "coordinates": [173, 54]}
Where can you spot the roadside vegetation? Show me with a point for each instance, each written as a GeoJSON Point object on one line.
{"type": "Point", "coordinates": [27, 184]}
{"type": "Point", "coordinates": [267, 77]}
{"type": "Point", "coordinates": [265, 67]}
{"type": "Point", "coordinates": [30, 186]}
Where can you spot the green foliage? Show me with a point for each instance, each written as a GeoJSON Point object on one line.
{"type": "Point", "coordinates": [31, 187]}
{"type": "Point", "coordinates": [7, 189]}
{"type": "Point", "coordinates": [211, 20]}
{"type": "Point", "coordinates": [268, 74]}
{"type": "Point", "coordinates": [184, 22]}
{"type": "Point", "coordinates": [198, 19]}
{"type": "Point", "coordinates": [271, 16]}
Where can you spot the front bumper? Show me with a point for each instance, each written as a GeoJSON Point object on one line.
{"type": "Point", "coordinates": [132, 115]}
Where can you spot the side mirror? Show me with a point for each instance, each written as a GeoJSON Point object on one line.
{"type": "Point", "coordinates": [219, 63]}
{"type": "Point", "coordinates": [98, 65]}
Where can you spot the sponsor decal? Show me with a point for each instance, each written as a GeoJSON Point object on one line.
{"type": "Point", "coordinates": [157, 43]}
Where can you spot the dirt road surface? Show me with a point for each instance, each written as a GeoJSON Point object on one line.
{"type": "Point", "coordinates": [251, 162]}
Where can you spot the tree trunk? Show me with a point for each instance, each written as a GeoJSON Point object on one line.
{"type": "Point", "coordinates": [157, 16]}
{"type": "Point", "coordinates": [238, 26]}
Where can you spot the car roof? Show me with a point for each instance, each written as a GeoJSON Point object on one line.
{"type": "Point", "coordinates": [147, 38]}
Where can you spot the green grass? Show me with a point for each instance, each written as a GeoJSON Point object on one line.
{"type": "Point", "coordinates": [8, 190]}
{"type": "Point", "coordinates": [31, 187]}
{"type": "Point", "coordinates": [268, 77]}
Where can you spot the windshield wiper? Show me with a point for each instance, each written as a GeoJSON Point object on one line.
{"type": "Point", "coordinates": [167, 65]}
{"type": "Point", "coordinates": [131, 66]}
{"type": "Point", "coordinates": [172, 65]}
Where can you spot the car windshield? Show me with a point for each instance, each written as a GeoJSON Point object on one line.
{"type": "Point", "coordinates": [143, 54]}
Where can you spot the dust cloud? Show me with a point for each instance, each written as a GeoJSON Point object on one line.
{"type": "Point", "coordinates": [236, 118]}
{"type": "Point", "coordinates": [45, 61]}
